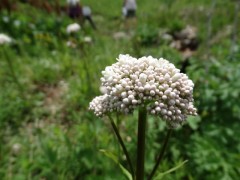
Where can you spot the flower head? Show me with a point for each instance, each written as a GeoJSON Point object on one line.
{"type": "Point", "coordinates": [4, 39]}
{"type": "Point", "coordinates": [154, 83]}
{"type": "Point", "coordinates": [73, 28]}
{"type": "Point", "coordinates": [87, 39]}
{"type": "Point", "coordinates": [71, 44]}
{"type": "Point", "coordinates": [100, 105]}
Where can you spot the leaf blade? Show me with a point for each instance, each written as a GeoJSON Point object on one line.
{"type": "Point", "coordinates": [115, 159]}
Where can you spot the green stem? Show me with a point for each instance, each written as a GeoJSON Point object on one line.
{"type": "Point", "coordinates": [85, 67]}
{"type": "Point", "coordinates": [142, 116]}
{"type": "Point", "coordinates": [11, 69]}
{"type": "Point", "coordinates": [161, 154]}
{"type": "Point", "coordinates": [123, 146]}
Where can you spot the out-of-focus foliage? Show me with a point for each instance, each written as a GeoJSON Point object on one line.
{"type": "Point", "coordinates": [46, 131]}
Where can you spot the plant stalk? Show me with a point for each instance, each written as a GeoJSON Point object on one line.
{"type": "Point", "coordinates": [11, 69]}
{"type": "Point", "coordinates": [87, 72]}
{"type": "Point", "coordinates": [142, 116]}
{"type": "Point", "coordinates": [161, 154]}
{"type": "Point", "coordinates": [123, 146]}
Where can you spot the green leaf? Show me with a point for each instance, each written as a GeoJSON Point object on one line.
{"type": "Point", "coordinates": [193, 121]}
{"type": "Point", "coordinates": [115, 159]}
{"type": "Point", "coordinates": [160, 175]}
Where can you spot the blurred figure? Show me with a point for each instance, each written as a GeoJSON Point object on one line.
{"type": "Point", "coordinates": [129, 14]}
{"type": "Point", "coordinates": [87, 15]}
{"type": "Point", "coordinates": [76, 11]}
{"type": "Point", "coordinates": [187, 42]}
{"type": "Point", "coordinates": [129, 8]}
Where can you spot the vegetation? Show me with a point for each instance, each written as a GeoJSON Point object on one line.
{"type": "Point", "coordinates": [46, 130]}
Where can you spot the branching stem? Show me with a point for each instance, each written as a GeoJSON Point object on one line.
{"type": "Point", "coordinates": [123, 146]}
{"type": "Point", "coordinates": [161, 154]}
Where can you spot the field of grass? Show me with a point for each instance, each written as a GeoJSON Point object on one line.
{"type": "Point", "coordinates": [46, 129]}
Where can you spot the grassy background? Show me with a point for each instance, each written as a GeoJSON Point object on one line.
{"type": "Point", "coordinates": [46, 130]}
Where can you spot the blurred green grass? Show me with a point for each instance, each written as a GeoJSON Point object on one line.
{"type": "Point", "coordinates": [46, 130]}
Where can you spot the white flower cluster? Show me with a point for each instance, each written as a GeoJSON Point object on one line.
{"type": "Point", "coordinates": [100, 105]}
{"type": "Point", "coordinates": [87, 39]}
{"type": "Point", "coordinates": [73, 28]}
{"type": "Point", "coordinates": [71, 44]}
{"type": "Point", "coordinates": [4, 39]}
{"type": "Point", "coordinates": [154, 83]}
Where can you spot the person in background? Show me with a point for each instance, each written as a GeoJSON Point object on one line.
{"type": "Point", "coordinates": [86, 11]}
{"type": "Point", "coordinates": [129, 14]}
{"type": "Point", "coordinates": [129, 8]}
{"type": "Point", "coordinates": [76, 11]}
